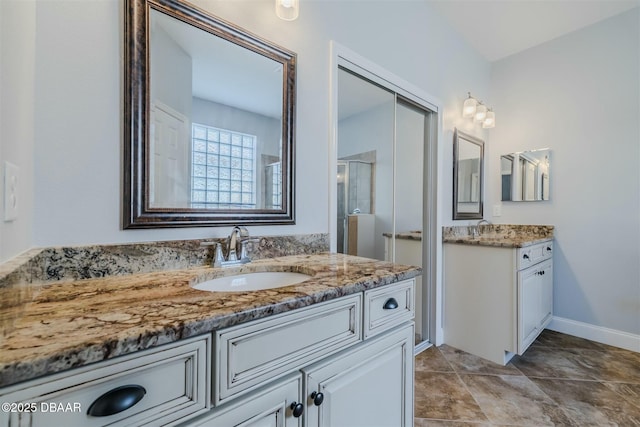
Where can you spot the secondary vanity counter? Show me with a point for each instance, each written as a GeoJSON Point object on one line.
{"type": "Point", "coordinates": [67, 325]}
{"type": "Point", "coordinates": [498, 235]}
{"type": "Point", "coordinates": [498, 288]}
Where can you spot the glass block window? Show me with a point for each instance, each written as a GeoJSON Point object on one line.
{"type": "Point", "coordinates": [223, 169]}
{"type": "Point", "coordinates": [276, 186]}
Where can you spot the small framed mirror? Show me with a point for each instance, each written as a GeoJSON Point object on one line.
{"type": "Point", "coordinates": [209, 117]}
{"type": "Point", "coordinates": [468, 167]}
{"type": "Point", "coordinates": [525, 175]}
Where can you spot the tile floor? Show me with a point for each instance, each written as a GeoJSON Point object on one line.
{"type": "Point", "coordinates": [560, 381]}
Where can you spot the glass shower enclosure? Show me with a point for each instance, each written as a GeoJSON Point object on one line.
{"type": "Point", "coordinates": [355, 196]}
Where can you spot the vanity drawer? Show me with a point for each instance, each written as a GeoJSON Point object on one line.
{"type": "Point", "coordinates": [388, 306]}
{"type": "Point", "coordinates": [247, 355]}
{"type": "Point", "coordinates": [531, 255]}
{"type": "Point", "coordinates": [173, 379]}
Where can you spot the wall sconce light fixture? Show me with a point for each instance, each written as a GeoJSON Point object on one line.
{"type": "Point", "coordinates": [287, 9]}
{"type": "Point", "coordinates": [474, 108]}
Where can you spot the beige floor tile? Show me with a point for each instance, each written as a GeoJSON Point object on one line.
{"type": "Point", "coordinates": [561, 380]}
{"type": "Point", "coordinates": [463, 362]}
{"type": "Point", "coordinates": [432, 360]}
{"type": "Point", "coordinates": [552, 363]}
{"type": "Point", "coordinates": [443, 396]}
{"type": "Point", "coordinates": [514, 400]}
{"type": "Point", "coordinates": [590, 403]}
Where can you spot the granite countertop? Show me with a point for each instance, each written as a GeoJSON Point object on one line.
{"type": "Point", "coordinates": [496, 241]}
{"type": "Point", "coordinates": [60, 326]}
{"type": "Point", "coordinates": [498, 235]}
{"type": "Point", "coordinates": [406, 235]}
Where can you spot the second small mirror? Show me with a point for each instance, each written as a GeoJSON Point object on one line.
{"type": "Point", "coordinates": [468, 164]}
{"type": "Point", "coordinates": [525, 175]}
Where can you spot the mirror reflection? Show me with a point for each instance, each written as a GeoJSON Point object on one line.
{"type": "Point", "coordinates": [215, 136]}
{"type": "Point", "coordinates": [365, 165]}
{"type": "Point", "coordinates": [209, 121]}
{"type": "Point", "coordinates": [525, 175]}
{"type": "Point", "coordinates": [468, 157]}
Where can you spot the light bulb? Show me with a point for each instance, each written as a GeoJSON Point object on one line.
{"type": "Point", "coordinates": [287, 9]}
{"type": "Point", "coordinates": [469, 107]}
{"type": "Point", "coordinates": [481, 112]}
{"type": "Point", "coordinates": [490, 120]}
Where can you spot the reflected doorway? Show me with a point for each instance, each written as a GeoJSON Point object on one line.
{"type": "Point", "coordinates": [382, 141]}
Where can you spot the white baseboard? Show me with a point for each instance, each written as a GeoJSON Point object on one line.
{"type": "Point", "coordinates": [596, 333]}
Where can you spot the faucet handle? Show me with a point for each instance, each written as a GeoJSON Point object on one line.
{"type": "Point", "coordinates": [244, 257]}
{"type": "Point", "coordinates": [218, 257]}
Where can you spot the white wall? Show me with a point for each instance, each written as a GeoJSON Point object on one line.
{"type": "Point", "coordinates": [580, 96]}
{"type": "Point", "coordinates": [17, 66]}
{"type": "Point", "coordinates": [78, 131]}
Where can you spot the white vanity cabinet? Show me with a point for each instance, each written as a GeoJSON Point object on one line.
{"type": "Point", "coordinates": [497, 300]}
{"type": "Point", "coordinates": [371, 385]}
{"type": "Point", "coordinates": [535, 302]}
{"type": "Point", "coordinates": [353, 356]}
{"type": "Point", "coordinates": [272, 406]}
{"type": "Point", "coordinates": [159, 386]}
{"type": "Point", "coordinates": [344, 362]}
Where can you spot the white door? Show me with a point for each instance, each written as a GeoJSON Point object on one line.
{"type": "Point", "coordinates": [169, 171]}
{"type": "Point", "coordinates": [546, 307]}
{"type": "Point", "coordinates": [535, 302]}
{"type": "Point", "coordinates": [371, 386]}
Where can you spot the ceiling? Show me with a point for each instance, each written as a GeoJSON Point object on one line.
{"type": "Point", "coordinates": [499, 28]}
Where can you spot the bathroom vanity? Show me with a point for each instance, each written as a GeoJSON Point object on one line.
{"type": "Point", "coordinates": [149, 349]}
{"type": "Point", "coordinates": [498, 288]}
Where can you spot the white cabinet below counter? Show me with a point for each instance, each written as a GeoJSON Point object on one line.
{"type": "Point", "coordinates": [497, 300]}
{"type": "Point", "coordinates": [345, 362]}
{"type": "Point", "coordinates": [159, 386]}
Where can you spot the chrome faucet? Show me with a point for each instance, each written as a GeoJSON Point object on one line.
{"type": "Point", "coordinates": [236, 251]}
{"type": "Point", "coordinates": [238, 234]}
{"type": "Point", "coordinates": [476, 228]}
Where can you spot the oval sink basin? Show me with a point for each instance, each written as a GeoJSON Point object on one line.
{"type": "Point", "coordinates": [254, 281]}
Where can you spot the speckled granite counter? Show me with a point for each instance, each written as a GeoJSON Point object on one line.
{"type": "Point", "coordinates": [500, 235]}
{"type": "Point", "coordinates": [59, 326]}
{"type": "Point", "coordinates": [406, 235]}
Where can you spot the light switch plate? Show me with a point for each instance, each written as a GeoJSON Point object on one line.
{"type": "Point", "coordinates": [497, 209]}
{"type": "Point", "coordinates": [11, 172]}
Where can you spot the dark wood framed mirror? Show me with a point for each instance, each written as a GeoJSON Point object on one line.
{"type": "Point", "coordinates": [209, 121]}
{"type": "Point", "coordinates": [468, 169]}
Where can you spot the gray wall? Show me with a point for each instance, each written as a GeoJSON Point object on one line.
{"type": "Point", "coordinates": [579, 96]}
{"type": "Point", "coordinates": [78, 111]}
{"type": "Point", "coordinates": [172, 73]}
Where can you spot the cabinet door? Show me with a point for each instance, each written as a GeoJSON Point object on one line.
{"type": "Point", "coordinates": [368, 386]}
{"type": "Point", "coordinates": [546, 309]}
{"type": "Point", "coordinates": [535, 302]}
{"type": "Point", "coordinates": [528, 307]}
{"type": "Point", "coordinates": [267, 407]}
